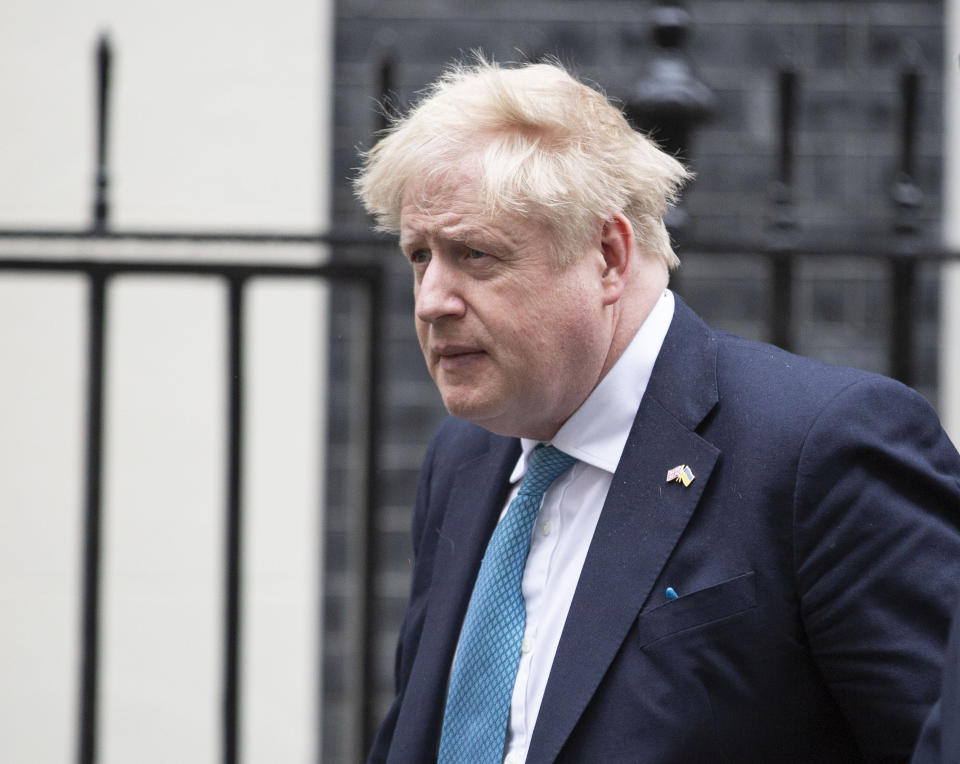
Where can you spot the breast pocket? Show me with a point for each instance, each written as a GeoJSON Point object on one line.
{"type": "Point", "coordinates": [697, 609]}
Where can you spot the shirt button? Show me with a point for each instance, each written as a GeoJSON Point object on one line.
{"type": "Point", "coordinates": [545, 528]}
{"type": "Point", "coordinates": [526, 646]}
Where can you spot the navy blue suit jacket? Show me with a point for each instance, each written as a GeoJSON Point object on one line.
{"type": "Point", "coordinates": [816, 554]}
{"type": "Point", "coordinates": [940, 740]}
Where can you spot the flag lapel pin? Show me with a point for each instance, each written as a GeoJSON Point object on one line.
{"type": "Point", "coordinates": [680, 474]}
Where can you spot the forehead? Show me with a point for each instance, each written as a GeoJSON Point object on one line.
{"type": "Point", "coordinates": [451, 190]}
{"type": "Point", "coordinates": [450, 205]}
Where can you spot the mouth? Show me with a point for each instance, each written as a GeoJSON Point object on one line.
{"type": "Point", "coordinates": [453, 357]}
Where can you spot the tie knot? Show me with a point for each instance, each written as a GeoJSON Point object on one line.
{"type": "Point", "coordinates": [545, 465]}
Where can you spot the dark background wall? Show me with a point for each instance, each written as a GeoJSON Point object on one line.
{"type": "Point", "coordinates": [848, 56]}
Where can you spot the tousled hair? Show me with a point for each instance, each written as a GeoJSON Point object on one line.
{"type": "Point", "coordinates": [548, 147]}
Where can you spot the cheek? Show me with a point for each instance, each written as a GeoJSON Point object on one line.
{"type": "Point", "coordinates": [546, 330]}
{"type": "Point", "coordinates": [559, 336]}
{"type": "Point", "coordinates": [576, 336]}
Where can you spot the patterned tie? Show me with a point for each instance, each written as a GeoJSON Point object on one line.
{"type": "Point", "coordinates": [485, 668]}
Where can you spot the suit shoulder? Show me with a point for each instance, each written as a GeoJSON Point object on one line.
{"type": "Point", "coordinates": [771, 373]}
{"type": "Point", "coordinates": [789, 396]}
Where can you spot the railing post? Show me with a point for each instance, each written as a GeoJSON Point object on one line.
{"type": "Point", "coordinates": [386, 76]}
{"type": "Point", "coordinates": [86, 753]}
{"type": "Point", "coordinates": [783, 233]}
{"type": "Point", "coordinates": [234, 523]}
{"type": "Point", "coordinates": [907, 197]}
{"type": "Point", "coordinates": [371, 568]}
{"type": "Point", "coordinates": [101, 206]}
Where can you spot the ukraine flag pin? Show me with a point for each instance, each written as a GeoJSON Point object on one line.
{"type": "Point", "coordinates": [681, 474]}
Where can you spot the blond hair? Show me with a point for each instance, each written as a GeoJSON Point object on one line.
{"type": "Point", "coordinates": [548, 146]}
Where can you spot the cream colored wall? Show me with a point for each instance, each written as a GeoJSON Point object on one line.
{"type": "Point", "coordinates": [219, 121]}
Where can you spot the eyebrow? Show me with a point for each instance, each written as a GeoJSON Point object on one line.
{"type": "Point", "coordinates": [474, 236]}
{"type": "Point", "coordinates": [464, 232]}
{"type": "Point", "coordinates": [407, 243]}
{"type": "Point", "coordinates": [467, 236]}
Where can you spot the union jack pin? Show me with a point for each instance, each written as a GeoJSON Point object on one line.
{"type": "Point", "coordinates": [681, 474]}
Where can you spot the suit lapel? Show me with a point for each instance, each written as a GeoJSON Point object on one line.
{"type": "Point", "coordinates": [476, 498]}
{"type": "Point", "coordinates": [642, 520]}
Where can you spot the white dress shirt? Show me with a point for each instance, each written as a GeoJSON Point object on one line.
{"type": "Point", "coordinates": [596, 435]}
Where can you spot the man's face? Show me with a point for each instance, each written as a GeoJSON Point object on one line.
{"type": "Point", "coordinates": [513, 342]}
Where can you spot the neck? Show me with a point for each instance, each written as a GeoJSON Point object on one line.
{"type": "Point", "coordinates": [638, 300]}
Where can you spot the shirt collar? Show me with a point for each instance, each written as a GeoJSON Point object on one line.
{"type": "Point", "coordinates": [597, 432]}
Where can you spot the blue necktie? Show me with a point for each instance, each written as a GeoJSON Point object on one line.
{"type": "Point", "coordinates": [485, 669]}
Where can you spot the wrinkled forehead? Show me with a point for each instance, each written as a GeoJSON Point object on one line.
{"type": "Point", "coordinates": [459, 190]}
{"type": "Point", "coordinates": [456, 188]}
{"type": "Point", "coordinates": [440, 186]}
{"type": "Point", "coordinates": [453, 214]}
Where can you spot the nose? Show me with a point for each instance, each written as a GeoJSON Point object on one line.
{"type": "Point", "coordinates": [438, 293]}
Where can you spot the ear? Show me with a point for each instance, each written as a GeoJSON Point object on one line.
{"type": "Point", "coordinates": [616, 246]}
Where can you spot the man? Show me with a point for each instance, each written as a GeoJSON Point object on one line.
{"type": "Point", "coordinates": [741, 555]}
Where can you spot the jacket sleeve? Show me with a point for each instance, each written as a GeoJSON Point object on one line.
{"type": "Point", "coordinates": [877, 557]}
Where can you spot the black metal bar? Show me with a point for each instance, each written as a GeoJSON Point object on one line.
{"type": "Point", "coordinates": [234, 524]}
{"type": "Point", "coordinates": [861, 249]}
{"type": "Point", "coordinates": [371, 569]}
{"type": "Point", "coordinates": [385, 86]}
{"type": "Point", "coordinates": [783, 243]}
{"type": "Point", "coordinates": [781, 313]}
{"type": "Point", "coordinates": [86, 751]}
{"type": "Point", "coordinates": [345, 238]}
{"type": "Point", "coordinates": [334, 271]}
{"type": "Point", "coordinates": [901, 290]}
{"type": "Point", "coordinates": [909, 95]}
{"type": "Point", "coordinates": [907, 197]}
{"type": "Point", "coordinates": [101, 207]}
{"type": "Point", "coordinates": [787, 79]}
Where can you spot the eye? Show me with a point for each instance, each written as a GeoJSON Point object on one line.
{"type": "Point", "coordinates": [420, 256]}
{"type": "Point", "coordinates": [476, 254]}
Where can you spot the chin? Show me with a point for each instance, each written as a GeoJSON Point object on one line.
{"type": "Point", "coordinates": [460, 410]}
{"type": "Point", "coordinates": [480, 412]}
{"type": "Point", "coordinates": [496, 421]}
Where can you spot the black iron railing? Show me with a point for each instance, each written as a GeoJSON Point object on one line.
{"type": "Point", "coordinates": [99, 274]}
